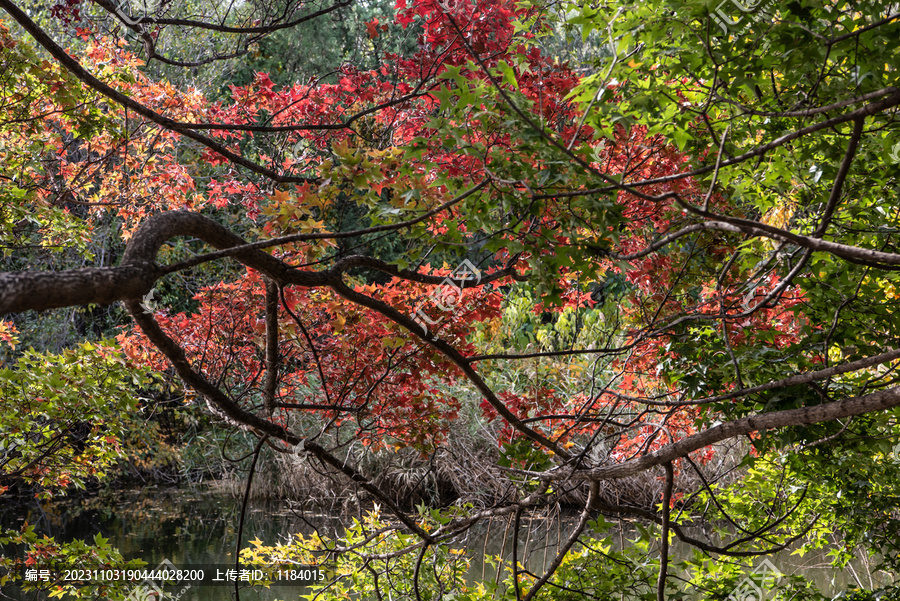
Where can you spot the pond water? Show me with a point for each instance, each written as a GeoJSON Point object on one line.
{"type": "Point", "coordinates": [191, 528]}
{"type": "Point", "coordinates": [187, 528]}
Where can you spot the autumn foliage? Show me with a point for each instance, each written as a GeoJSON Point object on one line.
{"type": "Point", "coordinates": [402, 150]}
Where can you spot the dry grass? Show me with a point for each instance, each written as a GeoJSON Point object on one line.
{"type": "Point", "coordinates": [463, 470]}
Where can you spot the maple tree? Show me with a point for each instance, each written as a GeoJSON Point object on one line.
{"type": "Point", "coordinates": [677, 268]}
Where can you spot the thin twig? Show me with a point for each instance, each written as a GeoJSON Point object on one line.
{"type": "Point", "coordinates": [240, 532]}
{"type": "Point", "coordinates": [664, 541]}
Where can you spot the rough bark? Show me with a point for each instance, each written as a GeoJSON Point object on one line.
{"type": "Point", "coordinates": [40, 290]}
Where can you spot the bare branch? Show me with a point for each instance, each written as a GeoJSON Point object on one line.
{"type": "Point", "coordinates": [579, 528]}
{"type": "Point", "coordinates": [876, 401]}
{"type": "Point", "coordinates": [271, 384]}
{"type": "Point", "coordinates": [664, 536]}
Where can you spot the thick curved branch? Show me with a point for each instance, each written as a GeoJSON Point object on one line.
{"type": "Point", "coordinates": [876, 401]}
{"type": "Point", "coordinates": [225, 407]}
{"type": "Point", "coordinates": [236, 249]}
{"type": "Point", "coordinates": [662, 242]}
{"type": "Point", "coordinates": [156, 231]}
{"type": "Point", "coordinates": [854, 254]}
{"type": "Point", "coordinates": [140, 256]}
{"type": "Point", "coordinates": [37, 290]}
{"type": "Point", "coordinates": [40, 290]}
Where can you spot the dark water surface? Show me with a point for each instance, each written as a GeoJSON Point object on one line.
{"type": "Point", "coordinates": [192, 527]}
{"type": "Point", "coordinates": [182, 526]}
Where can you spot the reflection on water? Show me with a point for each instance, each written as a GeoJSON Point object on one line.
{"type": "Point", "coordinates": [189, 527]}
{"type": "Point", "coordinates": [541, 537]}
{"type": "Point", "coordinates": [183, 527]}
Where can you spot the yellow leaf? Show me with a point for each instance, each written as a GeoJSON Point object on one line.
{"type": "Point", "coordinates": [281, 196]}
